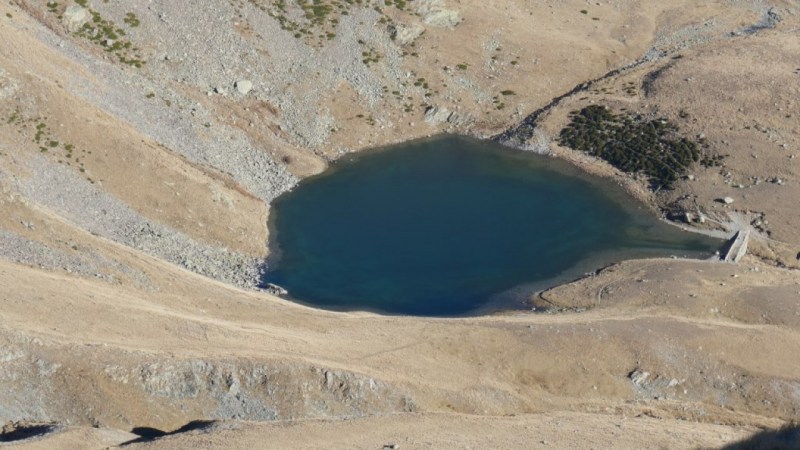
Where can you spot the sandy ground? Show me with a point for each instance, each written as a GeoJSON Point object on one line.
{"type": "Point", "coordinates": [109, 326]}
{"type": "Point", "coordinates": [563, 430]}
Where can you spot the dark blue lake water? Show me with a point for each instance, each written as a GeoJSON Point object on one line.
{"type": "Point", "coordinates": [453, 226]}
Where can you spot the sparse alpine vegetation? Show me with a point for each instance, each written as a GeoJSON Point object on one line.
{"type": "Point", "coordinates": [44, 137]}
{"type": "Point", "coordinates": [106, 34]}
{"type": "Point", "coordinates": [316, 21]}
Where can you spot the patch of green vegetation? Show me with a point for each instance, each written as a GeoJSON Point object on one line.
{"type": "Point", "coordinates": [499, 105]}
{"type": "Point", "coordinates": [44, 138]}
{"type": "Point", "coordinates": [508, 92]}
{"type": "Point", "coordinates": [462, 66]}
{"type": "Point", "coordinates": [633, 144]}
{"type": "Point", "coordinates": [370, 56]}
{"type": "Point", "coordinates": [630, 88]}
{"type": "Point", "coordinates": [40, 132]}
{"type": "Point", "coordinates": [15, 118]}
{"type": "Point", "coordinates": [316, 21]}
{"type": "Point", "coordinates": [399, 4]}
{"type": "Point", "coordinates": [106, 34]}
{"type": "Point", "coordinates": [131, 20]}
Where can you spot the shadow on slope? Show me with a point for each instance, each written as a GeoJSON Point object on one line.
{"type": "Point", "coordinates": [148, 434]}
{"type": "Point", "coordinates": [786, 438]}
{"type": "Point", "coordinates": [18, 431]}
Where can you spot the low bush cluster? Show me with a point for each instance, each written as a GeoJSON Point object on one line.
{"type": "Point", "coordinates": [632, 143]}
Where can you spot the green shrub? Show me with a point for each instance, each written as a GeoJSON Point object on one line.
{"type": "Point", "coordinates": [633, 144]}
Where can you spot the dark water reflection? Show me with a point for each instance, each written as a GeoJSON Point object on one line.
{"type": "Point", "coordinates": [442, 227]}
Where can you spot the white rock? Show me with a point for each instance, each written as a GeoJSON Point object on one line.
{"type": "Point", "coordinates": [639, 376]}
{"type": "Point", "coordinates": [74, 17]}
{"type": "Point", "coordinates": [727, 200]}
{"type": "Point", "coordinates": [243, 86]}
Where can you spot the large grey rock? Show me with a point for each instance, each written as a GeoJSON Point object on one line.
{"type": "Point", "coordinates": [74, 17]}
{"type": "Point", "coordinates": [445, 18]}
{"type": "Point", "coordinates": [434, 115]}
{"type": "Point", "coordinates": [406, 34]}
{"type": "Point", "coordinates": [435, 14]}
{"type": "Point", "coordinates": [274, 289]}
{"type": "Point", "coordinates": [639, 376]}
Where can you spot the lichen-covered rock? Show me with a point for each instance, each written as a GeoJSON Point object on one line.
{"type": "Point", "coordinates": [74, 17]}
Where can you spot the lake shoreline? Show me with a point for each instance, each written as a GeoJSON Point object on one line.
{"type": "Point", "coordinates": [610, 187]}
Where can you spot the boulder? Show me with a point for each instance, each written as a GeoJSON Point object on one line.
{"type": "Point", "coordinates": [274, 289]}
{"type": "Point", "coordinates": [639, 376]}
{"type": "Point", "coordinates": [434, 115]}
{"type": "Point", "coordinates": [74, 17]}
{"type": "Point", "coordinates": [406, 34]}
{"type": "Point", "coordinates": [243, 86]}
{"type": "Point", "coordinates": [444, 18]}
{"type": "Point", "coordinates": [435, 14]}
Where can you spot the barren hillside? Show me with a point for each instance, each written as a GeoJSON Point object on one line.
{"type": "Point", "coordinates": [141, 144]}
